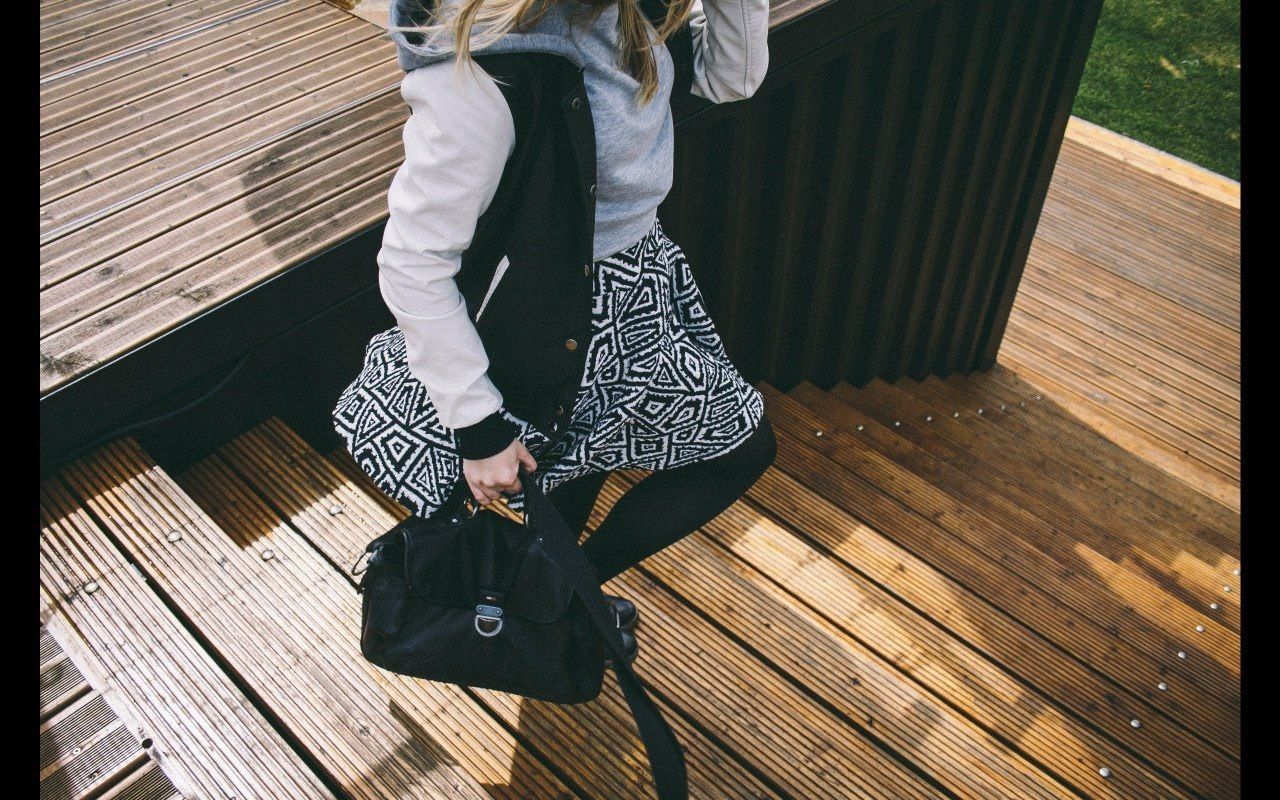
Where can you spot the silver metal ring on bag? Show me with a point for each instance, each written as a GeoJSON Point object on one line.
{"type": "Point", "coordinates": [492, 615]}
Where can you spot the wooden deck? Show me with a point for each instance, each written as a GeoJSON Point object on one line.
{"type": "Point", "coordinates": [193, 150]}
{"type": "Point", "coordinates": [1023, 583]}
{"type": "Point", "coordinates": [86, 750]}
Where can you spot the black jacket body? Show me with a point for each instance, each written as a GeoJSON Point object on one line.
{"type": "Point", "coordinates": [537, 324]}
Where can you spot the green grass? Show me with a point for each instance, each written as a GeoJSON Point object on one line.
{"type": "Point", "coordinates": [1167, 73]}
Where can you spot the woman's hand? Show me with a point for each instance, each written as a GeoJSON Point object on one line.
{"type": "Point", "coordinates": [490, 477]}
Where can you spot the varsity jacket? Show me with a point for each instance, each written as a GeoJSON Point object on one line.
{"type": "Point", "coordinates": [487, 253]}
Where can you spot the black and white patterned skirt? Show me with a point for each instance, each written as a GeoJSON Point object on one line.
{"type": "Point", "coordinates": [658, 391]}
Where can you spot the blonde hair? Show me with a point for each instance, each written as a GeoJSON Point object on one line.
{"type": "Point", "coordinates": [489, 20]}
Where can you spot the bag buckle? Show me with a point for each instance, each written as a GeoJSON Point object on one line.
{"type": "Point", "coordinates": [488, 620]}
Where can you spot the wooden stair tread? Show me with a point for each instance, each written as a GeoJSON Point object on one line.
{"type": "Point", "coordinates": [584, 741]}
{"type": "Point", "coordinates": [1068, 511]}
{"type": "Point", "coordinates": [977, 550]}
{"type": "Point", "coordinates": [261, 606]}
{"type": "Point", "coordinates": [155, 674]}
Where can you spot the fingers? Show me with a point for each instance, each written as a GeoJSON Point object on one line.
{"type": "Point", "coordinates": [490, 478]}
{"type": "Point", "coordinates": [484, 496]}
{"type": "Point", "coordinates": [526, 458]}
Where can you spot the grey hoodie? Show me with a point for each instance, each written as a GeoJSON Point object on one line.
{"type": "Point", "coordinates": [461, 133]}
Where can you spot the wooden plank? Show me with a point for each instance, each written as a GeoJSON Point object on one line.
{"type": "Point", "coordinates": [1198, 403]}
{"type": "Point", "coordinates": [1090, 280]}
{"type": "Point", "coordinates": [1132, 258]}
{"type": "Point", "coordinates": [374, 11]}
{"type": "Point", "coordinates": [98, 119]}
{"type": "Point", "coordinates": [233, 592]}
{"type": "Point", "coordinates": [1151, 227]}
{"type": "Point", "coordinates": [202, 214]}
{"type": "Point", "coordinates": [65, 51]}
{"type": "Point", "coordinates": [271, 206]}
{"type": "Point", "coordinates": [1144, 609]}
{"type": "Point", "coordinates": [1081, 421]}
{"type": "Point", "coordinates": [883, 587]}
{"type": "Point", "coordinates": [1142, 156]}
{"type": "Point", "coordinates": [148, 783]}
{"type": "Point", "coordinates": [1079, 513]}
{"type": "Point", "coordinates": [444, 713]}
{"type": "Point", "coordinates": [158, 308]}
{"type": "Point", "coordinates": [1189, 424]}
{"type": "Point", "coordinates": [837, 759]}
{"type": "Point", "coordinates": [52, 11]}
{"type": "Point", "coordinates": [70, 96]}
{"type": "Point", "coordinates": [584, 741]}
{"type": "Point", "coordinates": [748, 544]}
{"type": "Point", "coordinates": [1038, 592]}
{"type": "Point", "coordinates": [831, 662]}
{"type": "Point", "coordinates": [1207, 227]}
{"type": "Point", "coordinates": [1082, 314]}
{"type": "Point", "coordinates": [188, 164]}
{"type": "Point", "coordinates": [61, 685]}
{"type": "Point", "coordinates": [205, 734]}
{"type": "Point", "coordinates": [1023, 387]}
{"type": "Point", "coordinates": [1033, 427]}
{"type": "Point", "coordinates": [1139, 430]}
{"type": "Point", "coordinates": [197, 137]}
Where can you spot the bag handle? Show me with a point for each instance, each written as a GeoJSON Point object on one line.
{"type": "Point", "coordinates": [666, 757]}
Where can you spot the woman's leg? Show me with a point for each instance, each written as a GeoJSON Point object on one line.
{"type": "Point", "coordinates": [668, 505]}
{"type": "Point", "coordinates": [575, 498]}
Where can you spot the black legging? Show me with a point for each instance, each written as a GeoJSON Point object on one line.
{"type": "Point", "coordinates": [665, 506]}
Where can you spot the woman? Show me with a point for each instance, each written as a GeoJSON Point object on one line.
{"type": "Point", "coordinates": [544, 318]}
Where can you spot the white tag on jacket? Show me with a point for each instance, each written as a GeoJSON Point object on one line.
{"type": "Point", "coordinates": [493, 284]}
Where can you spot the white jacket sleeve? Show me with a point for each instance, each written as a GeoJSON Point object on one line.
{"type": "Point", "coordinates": [730, 48]}
{"type": "Point", "coordinates": [456, 143]}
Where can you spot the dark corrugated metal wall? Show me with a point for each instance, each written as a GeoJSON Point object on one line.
{"type": "Point", "coordinates": [868, 214]}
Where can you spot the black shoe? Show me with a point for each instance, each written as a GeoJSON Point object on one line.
{"type": "Point", "coordinates": [630, 646]}
{"type": "Point", "coordinates": [624, 611]}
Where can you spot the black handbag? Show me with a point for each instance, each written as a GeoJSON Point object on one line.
{"type": "Point", "coordinates": [481, 599]}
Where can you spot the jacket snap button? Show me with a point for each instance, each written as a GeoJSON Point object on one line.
{"type": "Point", "coordinates": [586, 270]}
{"type": "Point", "coordinates": [576, 102]}
{"type": "Point", "coordinates": [592, 190]}
{"type": "Point", "coordinates": [571, 344]}
{"type": "Point", "coordinates": [559, 410]}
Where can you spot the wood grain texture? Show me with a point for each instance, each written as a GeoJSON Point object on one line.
{"type": "Point", "coordinates": [240, 594]}
{"type": "Point", "coordinates": [86, 749]}
{"type": "Point", "coordinates": [156, 675]}
{"type": "Point", "coordinates": [1128, 315]}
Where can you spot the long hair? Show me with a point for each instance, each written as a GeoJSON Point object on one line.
{"type": "Point", "coordinates": [489, 20]}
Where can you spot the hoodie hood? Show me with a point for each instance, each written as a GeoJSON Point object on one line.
{"type": "Point", "coordinates": [549, 35]}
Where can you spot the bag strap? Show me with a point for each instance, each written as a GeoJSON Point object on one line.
{"type": "Point", "coordinates": [666, 757]}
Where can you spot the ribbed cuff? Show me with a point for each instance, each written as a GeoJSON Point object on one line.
{"type": "Point", "coordinates": [488, 437]}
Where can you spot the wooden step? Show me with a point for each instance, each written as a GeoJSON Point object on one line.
{"type": "Point", "coordinates": [850, 644]}
{"type": "Point", "coordinates": [203, 730]}
{"type": "Point", "coordinates": [261, 606]}
{"type": "Point", "coordinates": [1041, 425]}
{"type": "Point", "coordinates": [1198, 543]}
{"type": "Point", "coordinates": [583, 741]}
{"type": "Point", "coordinates": [986, 463]}
{"type": "Point", "coordinates": [975, 550]}
{"type": "Point", "coordinates": [86, 750]}
{"type": "Point", "coordinates": [887, 588]}
{"type": "Point", "coordinates": [446, 714]}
